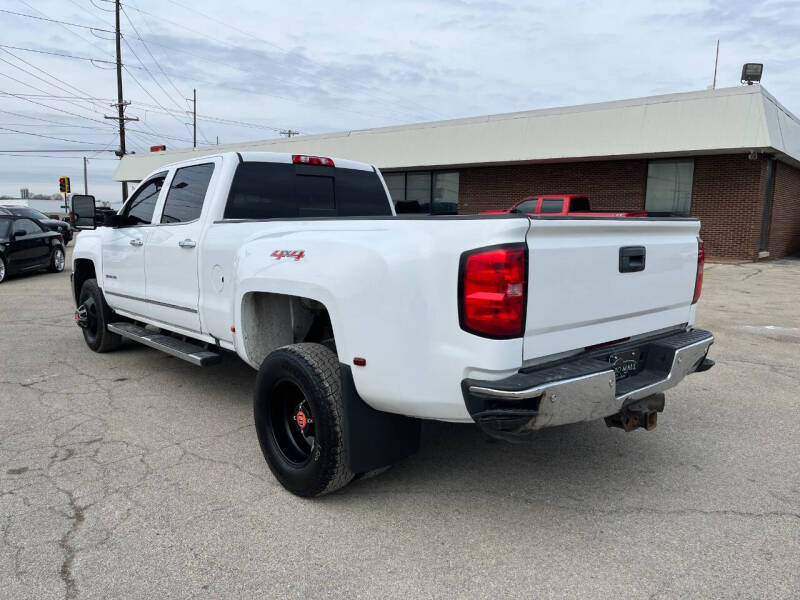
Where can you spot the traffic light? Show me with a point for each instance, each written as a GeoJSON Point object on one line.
{"type": "Point", "coordinates": [63, 185]}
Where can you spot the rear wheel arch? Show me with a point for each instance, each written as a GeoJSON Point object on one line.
{"type": "Point", "coordinates": [271, 320]}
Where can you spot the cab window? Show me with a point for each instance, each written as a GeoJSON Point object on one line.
{"type": "Point", "coordinates": [186, 193]}
{"type": "Point", "coordinates": [552, 205]}
{"type": "Point", "coordinates": [526, 206]}
{"type": "Point", "coordinates": [139, 209]}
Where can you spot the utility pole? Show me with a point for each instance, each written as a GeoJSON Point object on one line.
{"type": "Point", "coordinates": [120, 103]}
{"type": "Point", "coordinates": [716, 60]}
{"type": "Point", "coordinates": [288, 132]}
{"type": "Point", "coordinates": [85, 181]}
{"type": "Point", "coordinates": [194, 116]}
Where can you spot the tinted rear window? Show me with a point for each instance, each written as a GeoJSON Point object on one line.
{"type": "Point", "coordinates": [263, 190]}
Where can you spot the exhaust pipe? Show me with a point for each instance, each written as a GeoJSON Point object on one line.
{"type": "Point", "coordinates": [642, 413]}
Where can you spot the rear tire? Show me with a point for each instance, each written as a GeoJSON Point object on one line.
{"type": "Point", "coordinates": [299, 416]}
{"type": "Point", "coordinates": [57, 260]}
{"type": "Point", "coordinates": [97, 337]}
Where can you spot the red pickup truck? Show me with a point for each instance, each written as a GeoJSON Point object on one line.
{"type": "Point", "coordinates": [572, 205]}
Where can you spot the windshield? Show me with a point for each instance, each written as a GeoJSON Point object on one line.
{"type": "Point", "coordinates": [31, 213]}
{"type": "Point", "coordinates": [5, 222]}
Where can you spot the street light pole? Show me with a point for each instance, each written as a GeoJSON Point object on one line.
{"type": "Point", "coordinates": [85, 181]}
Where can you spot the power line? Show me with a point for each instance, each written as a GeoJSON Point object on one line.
{"type": "Point", "coordinates": [90, 99]}
{"type": "Point", "coordinates": [41, 135]}
{"type": "Point", "coordinates": [90, 42]}
{"type": "Point", "coordinates": [54, 78]}
{"type": "Point", "coordinates": [146, 91]}
{"type": "Point", "coordinates": [216, 119]}
{"type": "Point", "coordinates": [56, 150]}
{"type": "Point", "coordinates": [150, 74]}
{"type": "Point", "coordinates": [70, 125]}
{"type": "Point", "coordinates": [21, 97]}
{"type": "Point", "coordinates": [136, 31]}
{"type": "Point", "coordinates": [57, 54]}
{"type": "Point", "coordinates": [31, 85]}
{"type": "Point", "coordinates": [206, 36]}
{"type": "Point", "coordinates": [6, 153]}
{"type": "Point", "coordinates": [50, 120]}
{"type": "Point", "coordinates": [302, 57]}
{"type": "Point", "coordinates": [11, 12]}
{"type": "Point", "coordinates": [48, 82]}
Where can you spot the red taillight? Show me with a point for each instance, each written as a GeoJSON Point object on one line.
{"type": "Point", "coordinates": [302, 159]}
{"type": "Point", "coordinates": [493, 288]}
{"type": "Point", "coordinates": [159, 148]}
{"type": "Point", "coordinates": [701, 259]}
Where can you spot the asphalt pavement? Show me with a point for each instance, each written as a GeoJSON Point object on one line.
{"type": "Point", "coordinates": [136, 475]}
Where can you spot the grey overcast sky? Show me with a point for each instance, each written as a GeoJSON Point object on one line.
{"type": "Point", "coordinates": [325, 66]}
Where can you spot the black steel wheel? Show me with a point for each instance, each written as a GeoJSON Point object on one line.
{"type": "Point", "coordinates": [92, 315]}
{"type": "Point", "coordinates": [298, 416]}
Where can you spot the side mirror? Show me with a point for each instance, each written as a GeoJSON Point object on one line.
{"type": "Point", "coordinates": [83, 211]}
{"type": "Point", "coordinates": [20, 233]}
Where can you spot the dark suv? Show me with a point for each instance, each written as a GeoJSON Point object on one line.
{"type": "Point", "coordinates": [62, 227]}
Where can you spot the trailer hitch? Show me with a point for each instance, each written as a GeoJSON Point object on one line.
{"type": "Point", "coordinates": [642, 413]}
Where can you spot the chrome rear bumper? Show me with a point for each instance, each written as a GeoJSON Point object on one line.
{"type": "Point", "coordinates": [584, 388]}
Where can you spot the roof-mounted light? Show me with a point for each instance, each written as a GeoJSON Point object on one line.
{"type": "Point", "coordinates": [751, 73]}
{"type": "Point", "coordinates": [304, 159]}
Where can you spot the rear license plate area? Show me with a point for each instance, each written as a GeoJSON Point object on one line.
{"type": "Point", "coordinates": [626, 362]}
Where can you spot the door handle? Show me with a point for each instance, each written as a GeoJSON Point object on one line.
{"type": "Point", "coordinates": [136, 242]}
{"type": "Point", "coordinates": [632, 259]}
{"type": "Point", "coordinates": [187, 243]}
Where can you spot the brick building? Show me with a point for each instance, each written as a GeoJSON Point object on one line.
{"type": "Point", "coordinates": [730, 157]}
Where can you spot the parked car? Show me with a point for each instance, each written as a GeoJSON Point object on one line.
{"type": "Point", "coordinates": [62, 227]}
{"type": "Point", "coordinates": [25, 245]}
{"type": "Point", "coordinates": [564, 205]}
{"type": "Point", "coordinates": [361, 323]}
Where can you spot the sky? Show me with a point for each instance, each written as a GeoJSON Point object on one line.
{"type": "Point", "coordinates": [261, 66]}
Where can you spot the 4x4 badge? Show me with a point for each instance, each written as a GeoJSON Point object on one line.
{"type": "Point", "coordinates": [295, 254]}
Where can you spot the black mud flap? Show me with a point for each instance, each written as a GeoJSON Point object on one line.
{"type": "Point", "coordinates": [373, 438]}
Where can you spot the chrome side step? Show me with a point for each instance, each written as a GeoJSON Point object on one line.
{"type": "Point", "coordinates": [193, 353]}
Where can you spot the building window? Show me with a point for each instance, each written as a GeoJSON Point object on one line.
{"type": "Point", "coordinates": [669, 186]}
{"type": "Point", "coordinates": [445, 193]}
{"type": "Point", "coordinates": [424, 192]}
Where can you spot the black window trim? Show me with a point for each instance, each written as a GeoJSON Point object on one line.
{"type": "Point", "coordinates": [171, 179]}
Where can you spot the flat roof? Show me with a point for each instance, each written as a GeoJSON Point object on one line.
{"type": "Point", "coordinates": [727, 120]}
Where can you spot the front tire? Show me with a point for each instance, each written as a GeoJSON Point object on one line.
{"type": "Point", "coordinates": [98, 315]}
{"type": "Point", "coordinates": [299, 416]}
{"type": "Point", "coordinates": [3, 269]}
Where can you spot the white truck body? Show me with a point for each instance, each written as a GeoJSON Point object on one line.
{"type": "Point", "coordinates": [390, 285]}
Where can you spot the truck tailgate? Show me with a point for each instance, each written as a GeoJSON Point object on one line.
{"type": "Point", "coordinates": [577, 294]}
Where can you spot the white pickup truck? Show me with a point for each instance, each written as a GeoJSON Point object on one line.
{"type": "Point", "coordinates": [361, 323]}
